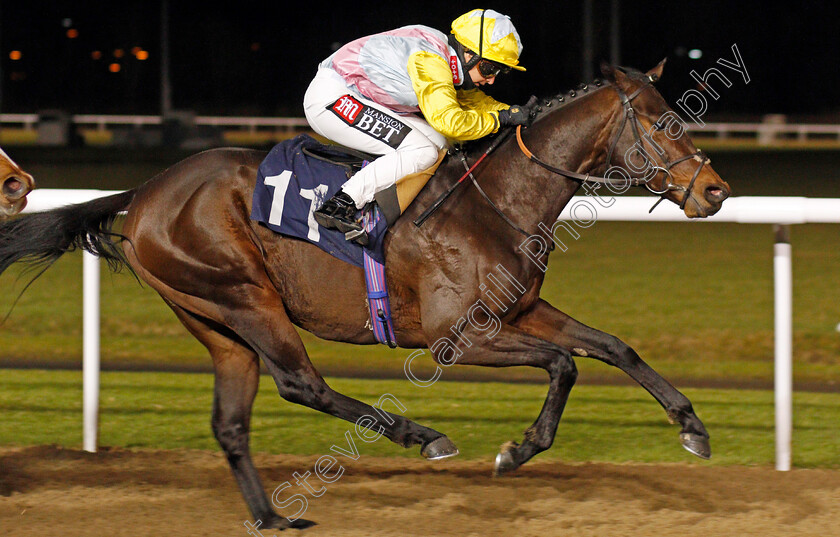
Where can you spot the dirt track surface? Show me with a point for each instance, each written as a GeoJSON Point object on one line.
{"type": "Point", "coordinates": [48, 491]}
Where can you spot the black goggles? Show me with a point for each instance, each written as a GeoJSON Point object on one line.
{"type": "Point", "coordinates": [489, 69]}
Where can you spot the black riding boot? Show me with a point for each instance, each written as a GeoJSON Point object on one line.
{"type": "Point", "coordinates": [339, 213]}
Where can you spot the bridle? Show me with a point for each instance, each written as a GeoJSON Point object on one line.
{"type": "Point", "coordinates": [668, 184]}
{"type": "Point", "coordinates": [621, 183]}
{"type": "Point", "coordinates": [630, 116]}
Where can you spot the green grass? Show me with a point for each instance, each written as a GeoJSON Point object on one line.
{"type": "Point", "coordinates": [619, 424]}
{"type": "Point", "coordinates": [695, 300]}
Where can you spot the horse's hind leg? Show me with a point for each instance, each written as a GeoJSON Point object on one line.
{"type": "Point", "coordinates": [547, 322]}
{"type": "Point", "coordinates": [237, 372]}
{"type": "Point", "coordinates": [267, 328]}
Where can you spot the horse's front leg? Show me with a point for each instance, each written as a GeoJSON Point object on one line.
{"type": "Point", "coordinates": [547, 322]}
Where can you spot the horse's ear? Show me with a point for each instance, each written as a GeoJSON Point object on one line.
{"type": "Point", "coordinates": [613, 74]}
{"type": "Point", "coordinates": [656, 73]}
{"type": "Point", "coordinates": [608, 71]}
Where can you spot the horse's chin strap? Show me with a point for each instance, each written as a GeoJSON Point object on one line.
{"type": "Point", "coordinates": [703, 161]}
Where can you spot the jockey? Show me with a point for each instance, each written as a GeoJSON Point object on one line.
{"type": "Point", "coordinates": [368, 93]}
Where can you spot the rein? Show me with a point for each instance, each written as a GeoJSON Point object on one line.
{"type": "Point", "coordinates": [574, 175]}
{"type": "Point", "coordinates": [434, 207]}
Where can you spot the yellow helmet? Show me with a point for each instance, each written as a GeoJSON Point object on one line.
{"type": "Point", "coordinates": [489, 34]}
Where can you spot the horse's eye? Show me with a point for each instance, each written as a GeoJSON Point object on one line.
{"type": "Point", "coordinates": [658, 126]}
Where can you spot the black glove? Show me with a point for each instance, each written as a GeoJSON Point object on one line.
{"type": "Point", "coordinates": [519, 114]}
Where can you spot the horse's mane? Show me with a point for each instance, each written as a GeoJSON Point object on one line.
{"type": "Point", "coordinates": [557, 101]}
{"type": "Point", "coordinates": [547, 104]}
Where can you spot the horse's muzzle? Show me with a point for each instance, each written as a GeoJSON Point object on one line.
{"type": "Point", "coordinates": [708, 201]}
{"type": "Point", "coordinates": [715, 194]}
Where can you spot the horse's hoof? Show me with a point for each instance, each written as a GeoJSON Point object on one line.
{"type": "Point", "coordinates": [504, 460]}
{"type": "Point", "coordinates": [439, 448]}
{"type": "Point", "coordinates": [302, 524]}
{"type": "Point", "coordinates": [281, 523]}
{"type": "Point", "coordinates": [697, 445]}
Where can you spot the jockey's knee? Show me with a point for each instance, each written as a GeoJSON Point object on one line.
{"type": "Point", "coordinates": [423, 157]}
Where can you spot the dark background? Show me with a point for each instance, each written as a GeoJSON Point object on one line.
{"type": "Point", "coordinates": [256, 58]}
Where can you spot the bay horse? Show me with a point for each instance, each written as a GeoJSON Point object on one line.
{"type": "Point", "coordinates": [15, 184]}
{"type": "Point", "coordinates": [241, 289]}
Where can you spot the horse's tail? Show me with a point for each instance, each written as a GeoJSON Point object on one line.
{"type": "Point", "coordinates": [39, 239]}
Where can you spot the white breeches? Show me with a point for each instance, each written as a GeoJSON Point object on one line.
{"type": "Point", "coordinates": [406, 142]}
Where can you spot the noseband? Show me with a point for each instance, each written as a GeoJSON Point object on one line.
{"type": "Point", "coordinates": [630, 117]}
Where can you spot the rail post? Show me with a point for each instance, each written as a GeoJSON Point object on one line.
{"type": "Point", "coordinates": [90, 352]}
{"type": "Point", "coordinates": [783, 313]}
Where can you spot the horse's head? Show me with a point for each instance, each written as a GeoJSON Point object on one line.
{"type": "Point", "coordinates": [15, 184]}
{"type": "Point", "coordinates": [650, 142]}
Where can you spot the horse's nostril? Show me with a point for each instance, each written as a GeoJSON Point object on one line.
{"type": "Point", "coordinates": [716, 193]}
{"type": "Point", "coordinates": [12, 186]}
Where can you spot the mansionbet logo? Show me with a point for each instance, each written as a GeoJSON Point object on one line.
{"type": "Point", "coordinates": [375, 123]}
{"type": "Point", "coordinates": [348, 108]}
{"type": "Point", "coordinates": [453, 64]}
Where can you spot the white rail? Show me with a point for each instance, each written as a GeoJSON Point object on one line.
{"type": "Point", "coordinates": [103, 121]}
{"type": "Point", "coordinates": [764, 132]}
{"type": "Point", "coordinates": [768, 131]}
{"type": "Point", "coordinates": [781, 211]}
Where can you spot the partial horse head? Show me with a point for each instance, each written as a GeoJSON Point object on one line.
{"type": "Point", "coordinates": [15, 184]}
{"type": "Point", "coordinates": [650, 142]}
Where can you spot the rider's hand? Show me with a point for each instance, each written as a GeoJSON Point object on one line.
{"type": "Point", "coordinates": [518, 114]}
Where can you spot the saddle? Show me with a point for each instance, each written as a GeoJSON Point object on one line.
{"type": "Point", "coordinates": [392, 201]}
{"type": "Point", "coordinates": [344, 157]}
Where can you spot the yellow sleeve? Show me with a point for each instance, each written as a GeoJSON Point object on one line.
{"type": "Point", "coordinates": [471, 119]}
{"type": "Point", "coordinates": [475, 99]}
